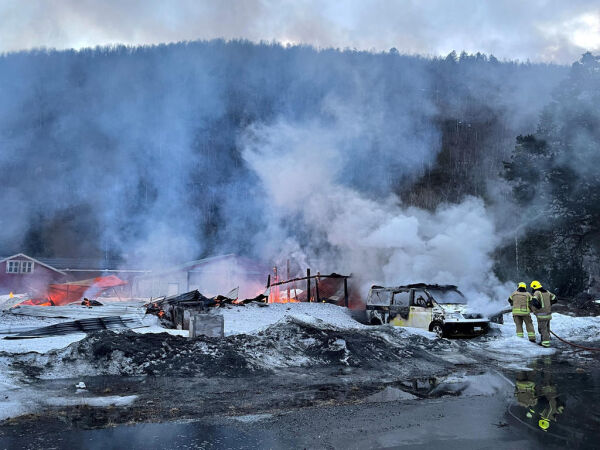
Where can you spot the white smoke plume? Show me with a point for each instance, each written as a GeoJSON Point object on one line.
{"type": "Point", "coordinates": [377, 239]}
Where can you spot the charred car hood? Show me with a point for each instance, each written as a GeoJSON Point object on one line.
{"type": "Point", "coordinates": [455, 307]}
{"type": "Point", "coordinates": [463, 309]}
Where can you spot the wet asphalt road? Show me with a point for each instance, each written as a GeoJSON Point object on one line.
{"type": "Point", "coordinates": [449, 423]}
{"type": "Point", "coordinates": [470, 418]}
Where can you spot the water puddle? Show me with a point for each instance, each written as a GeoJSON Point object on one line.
{"type": "Point", "coordinates": [558, 400]}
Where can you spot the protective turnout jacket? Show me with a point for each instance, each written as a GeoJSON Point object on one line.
{"type": "Point", "coordinates": [520, 303]}
{"type": "Point", "coordinates": [542, 304]}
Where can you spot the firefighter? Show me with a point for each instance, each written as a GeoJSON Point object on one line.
{"type": "Point", "coordinates": [519, 300]}
{"type": "Point", "coordinates": [541, 303]}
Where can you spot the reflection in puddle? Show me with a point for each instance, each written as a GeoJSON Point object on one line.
{"type": "Point", "coordinates": [556, 401]}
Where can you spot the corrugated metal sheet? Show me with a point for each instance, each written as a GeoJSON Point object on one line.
{"type": "Point", "coordinates": [80, 312]}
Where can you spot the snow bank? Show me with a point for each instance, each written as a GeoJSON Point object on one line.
{"type": "Point", "coordinates": [572, 328]}
{"type": "Point", "coordinates": [515, 352]}
{"type": "Point", "coordinates": [253, 318]}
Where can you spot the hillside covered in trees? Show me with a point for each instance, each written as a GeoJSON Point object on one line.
{"type": "Point", "coordinates": [137, 153]}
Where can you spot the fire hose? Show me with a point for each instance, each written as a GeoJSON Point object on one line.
{"type": "Point", "coordinates": [591, 349]}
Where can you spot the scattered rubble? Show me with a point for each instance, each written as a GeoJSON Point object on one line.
{"type": "Point", "coordinates": [79, 326]}
{"type": "Point", "coordinates": [174, 311]}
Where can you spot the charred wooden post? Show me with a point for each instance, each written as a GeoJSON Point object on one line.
{"type": "Point", "coordinates": [275, 293]}
{"type": "Point", "coordinates": [345, 292]}
{"type": "Point", "coordinates": [308, 285]}
{"type": "Point", "coordinates": [288, 277]}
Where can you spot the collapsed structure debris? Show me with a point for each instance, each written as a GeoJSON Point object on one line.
{"type": "Point", "coordinates": [77, 311]}
{"type": "Point", "coordinates": [332, 288]}
{"type": "Point", "coordinates": [175, 311]}
{"type": "Point", "coordinates": [74, 291]}
{"type": "Point", "coordinates": [79, 326]}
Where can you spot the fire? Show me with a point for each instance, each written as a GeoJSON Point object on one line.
{"type": "Point", "coordinates": [277, 296]}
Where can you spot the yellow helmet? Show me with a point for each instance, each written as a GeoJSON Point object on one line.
{"type": "Point", "coordinates": [536, 285]}
{"type": "Point", "coordinates": [544, 424]}
{"type": "Point", "coordinates": [523, 285]}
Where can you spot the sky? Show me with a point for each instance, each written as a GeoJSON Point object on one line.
{"type": "Point", "coordinates": [537, 30]}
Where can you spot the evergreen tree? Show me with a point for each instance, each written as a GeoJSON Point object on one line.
{"type": "Point", "coordinates": [554, 178]}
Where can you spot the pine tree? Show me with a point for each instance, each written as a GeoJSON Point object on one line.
{"type": "Point", "coordinates": [554, 178]}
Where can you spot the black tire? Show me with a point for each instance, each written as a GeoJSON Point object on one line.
{"type": "Point", "coordinates": [438, 329]}
{"type": "Point", "coordinates": [376, 321]}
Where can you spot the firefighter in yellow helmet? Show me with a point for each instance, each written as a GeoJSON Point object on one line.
{"type": "Point", "coordinates": [541, 305]}
{"type": "Point", "coordinates": [519, 300]}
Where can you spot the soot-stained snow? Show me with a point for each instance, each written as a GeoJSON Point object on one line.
{"type": "Point", "coordinates": [289, 343]}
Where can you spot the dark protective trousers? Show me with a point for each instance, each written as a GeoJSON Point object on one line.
{"type": "Point", "coordinates": [528, 325]}
{"type": "Point", "coordinates": [544, 330]}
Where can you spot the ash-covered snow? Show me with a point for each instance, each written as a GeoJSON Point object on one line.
{"type": "Point", "coordinates": [270, 338]}
{"type": "Point", "coordinates": [294, 341]}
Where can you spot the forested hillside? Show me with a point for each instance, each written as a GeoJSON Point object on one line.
{"type": "Point", "coordinates": [554, 176]}
{"type": "Point", "coordinates": [132, 153]}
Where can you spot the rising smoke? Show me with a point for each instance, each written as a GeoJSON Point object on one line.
{"type": "Point", "coordinates": [380, 241]}
{"type": "Point", "coordinates": [159, 155]}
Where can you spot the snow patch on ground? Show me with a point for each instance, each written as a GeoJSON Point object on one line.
{"type": "Point", "coordinates": [39, 345]}
{"type": "Point", "coordinates": [109, 400]}
{"type": "Point", "coordinates": [514, 352]}
{"type": "Point", "coordinates": [252, 318]}
{"type": "Point", "coordinates": [578, 329]}
{"type": "Point", "coordinates": [252, 418]}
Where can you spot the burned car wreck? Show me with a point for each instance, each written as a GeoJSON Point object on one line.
{"type": "Point", "coordinates": [439, 308]}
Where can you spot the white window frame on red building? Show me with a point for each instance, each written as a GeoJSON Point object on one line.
{"type": "Point", "coordinates": [26, 266]}
{"type": "Point", "coordinates": [15, 266]}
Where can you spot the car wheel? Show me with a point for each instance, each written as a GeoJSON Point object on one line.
{"type": "Point", "coordinates": [438, 329]}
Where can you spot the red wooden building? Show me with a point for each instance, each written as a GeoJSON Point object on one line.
{"type": "Point", "coordinates": [21, 273]}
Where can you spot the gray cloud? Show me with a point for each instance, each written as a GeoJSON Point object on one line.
{"type": "Point", "coordinates": [539, 30]}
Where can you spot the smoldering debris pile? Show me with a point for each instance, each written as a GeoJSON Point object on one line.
{"type": "Point", "coordinates": [290, 343]}
{"type": "Point", "coordinates": [174, 311]}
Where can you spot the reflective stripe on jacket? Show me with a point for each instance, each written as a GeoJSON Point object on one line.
{"type": "Point", "coordinates": [520, 303]}
{"type": "Point", "coordinates": [546, 299]}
